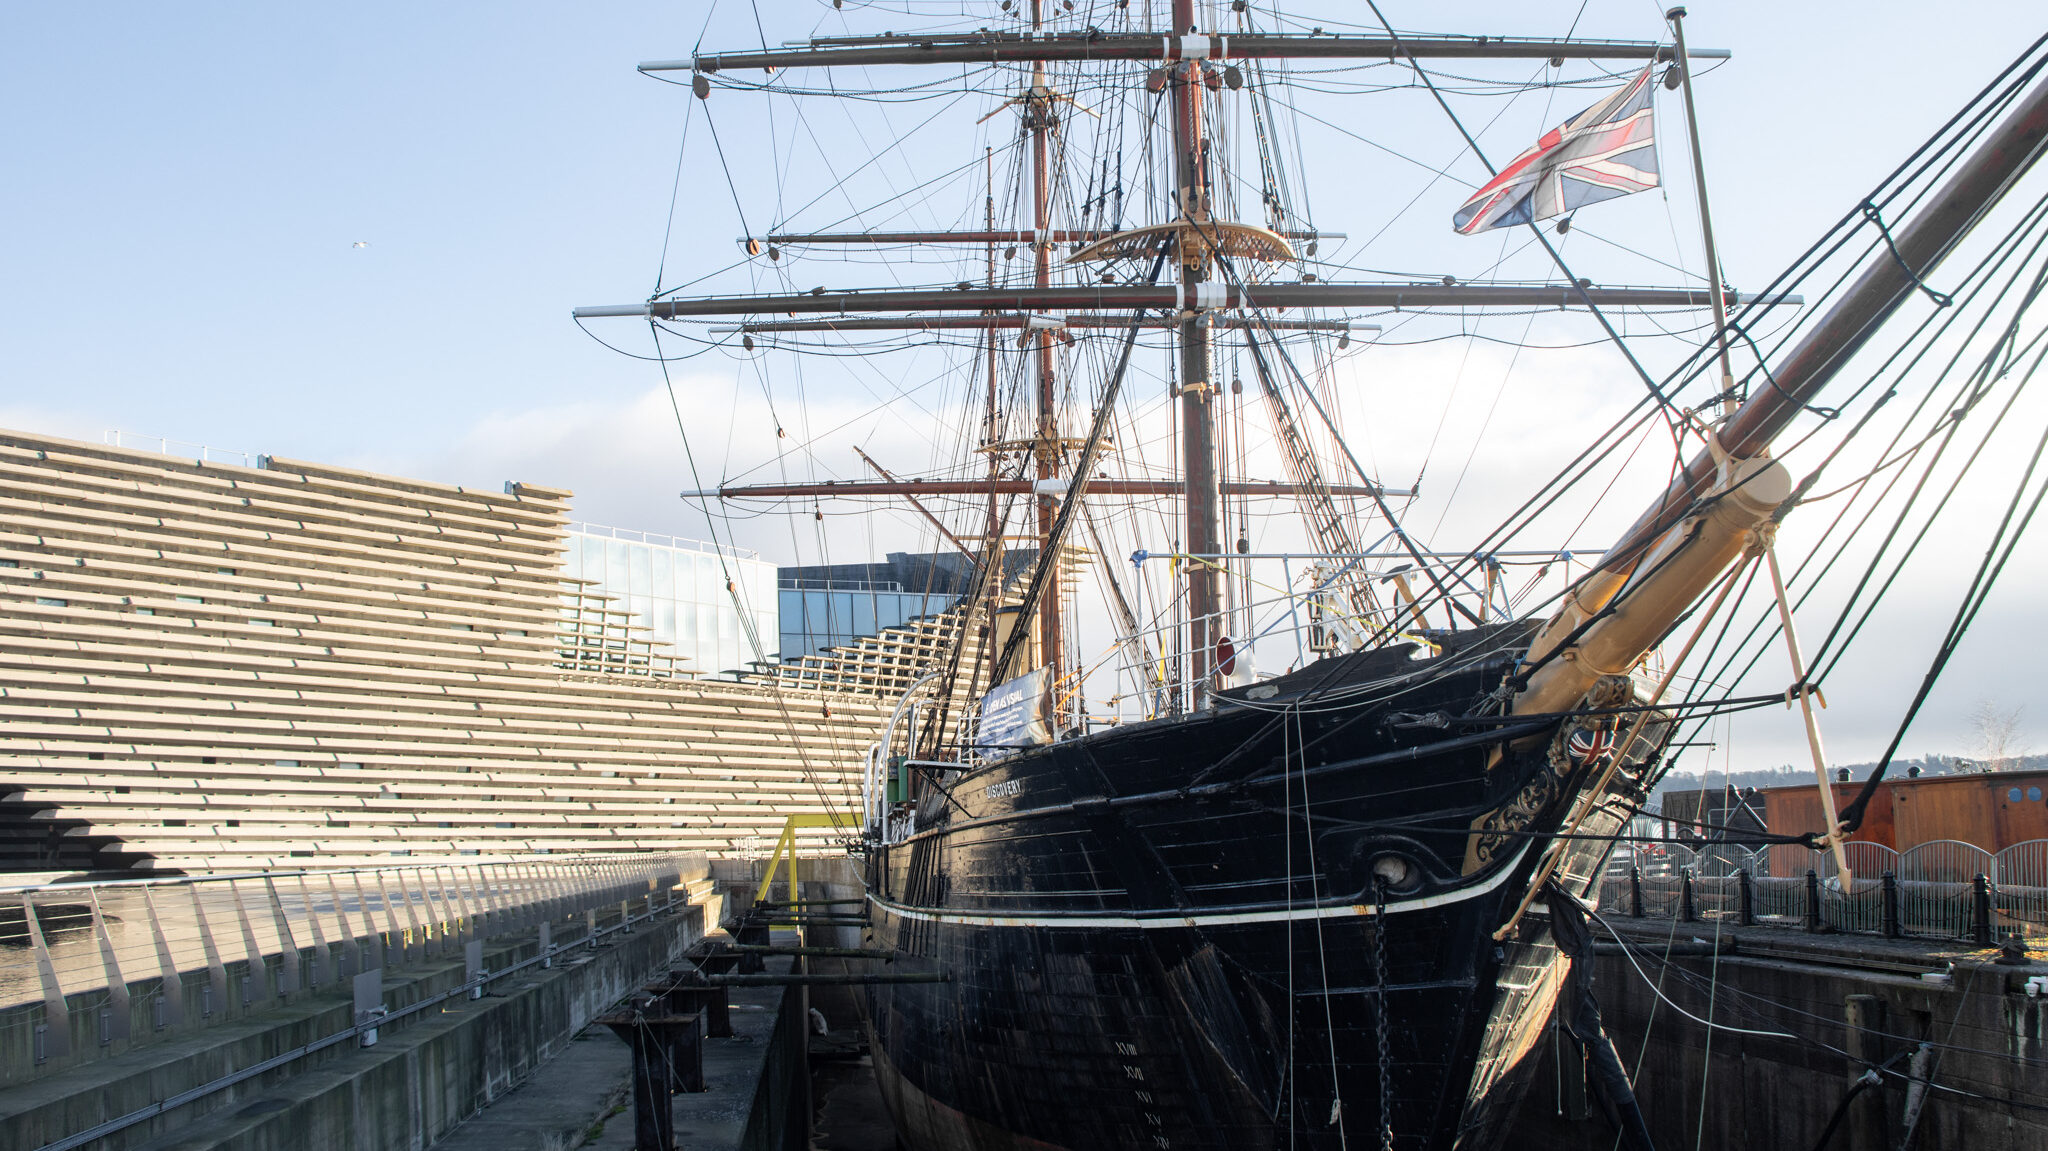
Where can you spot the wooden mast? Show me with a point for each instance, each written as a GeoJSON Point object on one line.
{"type": "Point", "coordinates": [1039, 119]}
{"type": "Point", "coordinates": [1197, 407]}
{"type": "Point", "coordinates": [1191, 303]}
{"type": "Point", "coordinates": [993, 554]}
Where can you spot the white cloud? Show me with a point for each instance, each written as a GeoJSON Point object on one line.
{"type": "Point", "coordinates": [626, 462]}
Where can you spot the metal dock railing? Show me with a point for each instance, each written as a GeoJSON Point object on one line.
{"type": "Point", "coordinates": [211, 945]}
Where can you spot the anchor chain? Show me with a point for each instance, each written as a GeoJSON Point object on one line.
{"type": "Point", "coordinates": [1379, 1012]}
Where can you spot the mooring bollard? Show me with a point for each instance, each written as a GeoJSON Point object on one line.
{"type": "Point", "coordinates": [1745, 899]}
{"type": "Point", "coordinates": [1813, 918]}
{"type": "Point", "coordinates": [714, 1002]}
{"type": "Point", "coordinates": [1865, 1016]}
{"type": "Point", "coordinates": [1635, 892]}
{"type": "Point", "coordinates": [1980, 911]}
{"type": "Point", "coordinates": [1892, 928]}
{"type": "Point", "coordinates": [653, 1112]}
{"type": "Point", "coordinates": [1687, 913]}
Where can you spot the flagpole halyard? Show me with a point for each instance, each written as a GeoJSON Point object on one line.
{"type": "Point", "coordinates": [1699, 182]}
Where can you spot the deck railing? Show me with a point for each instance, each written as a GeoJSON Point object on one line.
{"type": "Point", "coordinates": [104, 958]}
{"type": "Point", "coordinates": [1943, 889]}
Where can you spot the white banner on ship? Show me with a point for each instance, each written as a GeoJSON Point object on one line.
{"type": "Point", "coordinates": [1013, 713]}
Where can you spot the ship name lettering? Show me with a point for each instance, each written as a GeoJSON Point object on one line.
{"type": "Point", "coordinates": [1006, 788]}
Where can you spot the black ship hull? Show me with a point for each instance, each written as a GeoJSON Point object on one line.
{"type": "Point", "coordinates": [1172, 935]}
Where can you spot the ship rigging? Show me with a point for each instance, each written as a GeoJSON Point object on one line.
{"type": "Point", "coordinates": [1251, 904]}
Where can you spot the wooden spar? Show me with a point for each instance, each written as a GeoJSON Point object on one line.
{"type": "Point", "coordinates": [1038, 47]}
{"type": "Point", "coordinates": [990, 235]}
{"type": "Point", "coordinates": [826, 489]}
{"type": "Point", "coordinates": [921, 509]}
{"type": "Point", "coordinates": [1176, 296]}
{"type": "Point", "coordinates": [1118, 321]}
{"type": "Point", "coordinates": [1203, 502]}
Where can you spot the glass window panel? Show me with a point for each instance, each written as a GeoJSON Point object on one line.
{"type": "Point", "coordinates": [682, 581]}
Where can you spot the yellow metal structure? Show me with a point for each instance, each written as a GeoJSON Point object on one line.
{"type": "Point", "coordinates": [786, 846]}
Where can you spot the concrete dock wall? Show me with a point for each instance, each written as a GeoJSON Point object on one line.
{"type": "Point", "coordinates": [427, 1072]}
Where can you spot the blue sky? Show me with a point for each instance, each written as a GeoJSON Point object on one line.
{"type": "Point", "coordinates": [186, 182]}
{"type": "Point", "coordinates": [184, 185]}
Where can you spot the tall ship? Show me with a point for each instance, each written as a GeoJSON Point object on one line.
{"type": "Point", "coordinates": [1286, 845]}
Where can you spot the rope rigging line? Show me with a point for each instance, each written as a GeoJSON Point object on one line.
{"type": "Point", "coordinates": [1988, 571]}
{"type": "Point", "coordinates": [1671, 410]}
{"type": "Point", "coordinates": [747, 625]}
{"type": "Point", "coordinates": [1372, 486]}
{"type": "Point", "coordinates": [1669, 965]}
{"type": "Point", "coordinates": [1928, 342]}
{"type": "Point", "coordinates": [1843, 633]}
{"type": "Point", "coordinates": [726, 168]}
{"type": "Point", "coordinates": [1448, 590]}
{"type": "Point", "coordinates": [1934, 156]}
{"type": "Point", "coordinates": [1871, 213]}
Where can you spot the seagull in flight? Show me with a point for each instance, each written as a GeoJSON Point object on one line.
{"type": "Point", "coordinates": [360, 244]}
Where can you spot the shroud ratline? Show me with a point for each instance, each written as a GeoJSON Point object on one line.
{"type": "Point", "coordinates": [1335, 904]}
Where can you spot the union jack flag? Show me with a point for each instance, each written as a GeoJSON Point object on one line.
{"type": "Point", "coordinates": [1607, 150]}
{"type": "Point", "coordinates": [1588, 746]}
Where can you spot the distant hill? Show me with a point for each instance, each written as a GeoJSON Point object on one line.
{"type": "Point", "coordinates": [1792, 775]}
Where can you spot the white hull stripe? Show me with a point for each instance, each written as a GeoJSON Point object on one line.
{"type": "Point", "coordinates": [1154, 920]}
